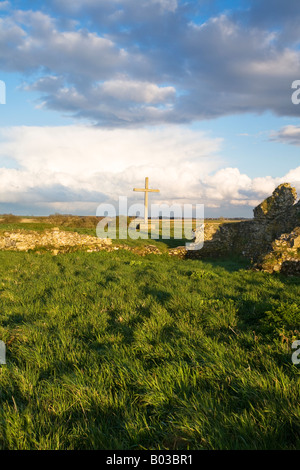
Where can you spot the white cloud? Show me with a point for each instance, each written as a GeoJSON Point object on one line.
{"type": "Point", "coordinates": [294, 177]}
{"type": "Point", "coordinates": [288, 135]}
{"type": "Point", "coordinates": [31, 41]}
{"type": "Point", "coordinates": [140, 9]}
{"type": "Point", "coordinates": [279, 64]}
{"type": "Point", "coordinates": [151, 66]}
{"type": "Point", "coordinates": [167, 5]}
{"type": "Point", "coordinates": [77, 163]}
{"type": "Point", "coordinates": [264, 186]}
{"type": "Point", "coordinates": [4, 5]}
{"type": "Point", "coordinates": [130, 90]}
{"type": "Point", "coordinates": [75, 168]}
{"type": "Point", "coordinates": [227, 183]}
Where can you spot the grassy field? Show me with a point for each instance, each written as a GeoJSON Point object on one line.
{"type": "Point", "coordinates": [115, 351]}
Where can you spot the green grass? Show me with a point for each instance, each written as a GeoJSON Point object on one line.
{"type": "Point", "coordinates": [114, 351]}
{"type": "Point", "coordinates": [6, 227]}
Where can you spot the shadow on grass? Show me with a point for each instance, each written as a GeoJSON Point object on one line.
{"type": "Point", "coordinates": [230, 264]}
{"type": "Point", "coordinates": [172, 242]}
{"type": "Point", "coordinates": [159, 295]}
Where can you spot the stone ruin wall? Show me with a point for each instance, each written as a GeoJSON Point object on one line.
{"type": "Point", "coordinates": [271, 239]}
{"type": "Point", "coordinates": [54, 240]}
{"type": "Point", "coordinates": [58, 241]}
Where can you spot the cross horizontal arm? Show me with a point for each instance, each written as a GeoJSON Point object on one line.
{"type": "Point", "coordinates": [147, 190]}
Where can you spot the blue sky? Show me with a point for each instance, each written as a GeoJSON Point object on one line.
{"type": "Point", "coordinates": [101, 93]}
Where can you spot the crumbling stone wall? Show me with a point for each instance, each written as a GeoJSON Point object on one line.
{"type": "Point", "coordinates": [59, 241]}
{"type": "Point", "coordinates": [54, 240]}
{"type": "Point", "coordinates": [275, 219]}
{"type": "Point", "coordinates": [282, 199]}
{"type": "Point", "coordinates": [284, 256]}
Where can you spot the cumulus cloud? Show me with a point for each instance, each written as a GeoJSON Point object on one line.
{"type": "Point", "coordinates": [142, 92]}
{"type": "Point", "coordinates": [75, 168]}
{"type": "Point", "coordinates": [287, 135]}
{"type": "Point", "coordinates": [114, 10]}
{"type": "Point", "coordinates": [112, 103]}
{"type": "Point", "coordinates": [149, 62]}
{"type": "Point", "coordinates": [4, 5]}
{"type": "Point", "coordinates": [229, 187]}
{"type": "Point", "coordinates": [30, 41]}
{"type": "Point", "coordinates": [281, 16]}
{"type": "Point", "coordinates": [76, 164]}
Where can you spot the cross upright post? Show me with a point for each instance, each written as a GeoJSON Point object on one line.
{"type": "Point", "coordinates": [146, 190]}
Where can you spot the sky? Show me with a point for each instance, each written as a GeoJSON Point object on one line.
{"type": "Point", "coordinates": [203, 97]}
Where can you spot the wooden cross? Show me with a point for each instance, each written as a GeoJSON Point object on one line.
{"type": "Point", "coordinates": [146, 190]}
